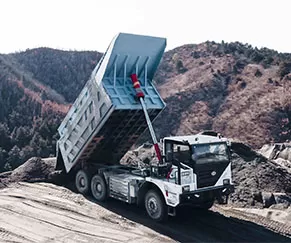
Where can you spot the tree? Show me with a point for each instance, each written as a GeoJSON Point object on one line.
{"type": "Point", "coordinates": [180, 66]}
{"type": "Point", "coordinates": [284, 69]}
{"type": "Point", "coordinates": [21, 136]}
{"type": "Point", "coordinates": [26, 153]}
{"type": "Point", "coordinates": [3, 155]}
{"type": "Point", "coordinates": [14, 158]}
{"type": "Point", "coordinates": [4, 136]}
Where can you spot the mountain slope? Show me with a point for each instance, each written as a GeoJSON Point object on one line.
{"type": "Point", "coordinates": [29, 115]}
{"type": "Point", "coordinates": [36, 89]}
{"type": "Point", "coordinates": [239, 91]}
{"type": "Point", "coordinates": [64, 71]}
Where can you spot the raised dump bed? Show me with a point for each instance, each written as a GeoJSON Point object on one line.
{"type": "Point", "coordinates": [106, 119]}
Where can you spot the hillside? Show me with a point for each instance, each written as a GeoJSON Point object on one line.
{"type": "Point", "coordinates": [36, 89]}
{"type": "Point", "coordinates": [64, 71]}
{"type": "Point", "coordinates": [240, 91]}
{"type": "Point", "coordinates": [244, 93]}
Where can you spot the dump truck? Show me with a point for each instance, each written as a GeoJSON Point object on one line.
{"type": "Point", "coordinates": [118, 103]}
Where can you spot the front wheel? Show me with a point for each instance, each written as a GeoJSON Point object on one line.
{"type": "Point", "coordinates": [155, 206]}
{"type": "Point", "coordinates": [99, 188]}
{"type": "Point", "coordinates": [207, 205]}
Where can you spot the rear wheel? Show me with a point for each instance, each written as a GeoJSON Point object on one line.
{"type": "Point", "coordinates": [155, 206]}
{"type": "Point", "coordinates": [82, 182]}
{"type": "Point", "coordinates": [99, 188]}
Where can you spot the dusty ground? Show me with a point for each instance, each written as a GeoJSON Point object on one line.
{"type": "Point", "coordinates": [43, 212]}
{"type": "Point", "coordinates": [34, 211]}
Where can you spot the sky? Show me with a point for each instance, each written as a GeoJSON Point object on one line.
{"type": "Point", "coordinates": [91, 24]}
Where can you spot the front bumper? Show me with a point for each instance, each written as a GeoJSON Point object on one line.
{"type": "Point", "coordinates": [206, 194]}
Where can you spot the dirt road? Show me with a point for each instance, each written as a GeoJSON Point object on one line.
{"type": "Point", "coordinates": [42, 212]}
{"type": "Point", "coordinates": [216, 225]}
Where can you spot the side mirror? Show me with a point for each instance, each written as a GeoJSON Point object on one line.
{"type": "Point", "coordinates": [169, 156]}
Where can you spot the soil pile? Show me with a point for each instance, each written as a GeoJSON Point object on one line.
{"type": "Point", "coordinates": [258, 181]}
{"type": "Point", "coordinates": [144, 154]}
{"type": "Point", "coordinates": [33, 170]}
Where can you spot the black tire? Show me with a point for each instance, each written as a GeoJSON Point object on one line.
{"type": "Point", "coordinates": [99, 188]}
{"type": "Point", "coordinates": [155, 206]}
{"type": "Point", "coordinates": [206, 205]}
{"type": "Point", "coordinates": [82, 182]}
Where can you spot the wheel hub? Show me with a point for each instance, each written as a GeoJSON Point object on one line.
{"type": "Point", "coordinates": [82, 182]}
{"type": "Point", "coordinates": [152, 205]}
{"type": "Point", "coordinates": [99, 188]}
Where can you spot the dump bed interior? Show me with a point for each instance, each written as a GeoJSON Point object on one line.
{"type": "Point", "coordinates": [106, 119]}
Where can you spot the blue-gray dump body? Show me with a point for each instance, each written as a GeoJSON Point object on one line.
{"type": "Point", "coordinates": [106, 119]}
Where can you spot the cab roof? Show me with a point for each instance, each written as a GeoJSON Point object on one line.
{"type": "Point", "coordinates": [197, 139]}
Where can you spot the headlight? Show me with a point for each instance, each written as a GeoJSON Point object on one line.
{"type": "Point", "coordinates": [226, 182]}
{"type": "Point", "coordinates": [186, 188]}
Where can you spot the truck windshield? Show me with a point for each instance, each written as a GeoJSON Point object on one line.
{"type": "Point", "coordinates": [207, 153]}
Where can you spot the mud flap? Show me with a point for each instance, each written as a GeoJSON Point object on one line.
{"type": "Point", "coordinates": [60, 162]}
{"type": "Point", "coordinates": [171, 211]}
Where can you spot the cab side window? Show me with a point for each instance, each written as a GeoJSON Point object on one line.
{"type": "Point", "coordinates": [183, 155]}
{"type": "Point", "coordinates": [172, 152]}
{"type": "Point", "coordinates": [169, 152]}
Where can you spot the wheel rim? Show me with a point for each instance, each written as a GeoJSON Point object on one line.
{"type": "Point", "coordinates": [98, 188]}
{"type": "Point", "coordinates": [82, 182]}
{"type": "Point", "coordinates": [153, 207]}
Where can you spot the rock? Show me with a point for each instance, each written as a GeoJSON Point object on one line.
{"type": "Point", "coordinates": [257, 196]}
{"type": "Point", "coordinates": [268, 199]}
{"type": "Point", "coordinates": [275, 151]}
{"type": "Point", "coordinates": [147, 145]}
{"type": "Point", "coordinates": [282, 198]}
{"type": "Point", "coordinates": [280, 206]}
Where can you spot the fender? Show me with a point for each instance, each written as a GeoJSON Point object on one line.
{"type": "Point", "coordinates": [171, 192]}
{"type": "Point", "coordinates": [144, 188]}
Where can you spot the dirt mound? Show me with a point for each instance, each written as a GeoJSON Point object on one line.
{"type": "Point", "coordinates": [33, 170]}
{"type": "Point", "coordinates": [258, 181]}
{"type": "Point", "coordinates": [140, 156]}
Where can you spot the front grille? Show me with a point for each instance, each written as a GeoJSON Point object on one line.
{"type": "Point", "coordinates": [204, 174]}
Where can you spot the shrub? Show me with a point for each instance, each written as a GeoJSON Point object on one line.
{"type": "Point", "coordinates": [284, 69]}
{"type": "Point", "coordinates": [258, 73]}
{"type": "Point", "coordinates": [180, 66]}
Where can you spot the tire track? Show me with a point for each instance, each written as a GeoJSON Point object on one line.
{"type": "Point", "coordinates": [8, 236]}
{"type": "Point", "coordinates": [99, 237]}
{"type": "Point", "coordinates": [275, 226]}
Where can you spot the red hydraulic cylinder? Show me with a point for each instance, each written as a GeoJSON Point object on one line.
{"type": "Point", "coordinates": [140, 95]}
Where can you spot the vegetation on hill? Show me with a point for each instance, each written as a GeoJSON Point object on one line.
{"type": "Point", "coordinates": [36, 89]}
{"type": "Point", "coordinates": [64, 71]}
{"type": "Point", "coordinates": [240, 91]}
